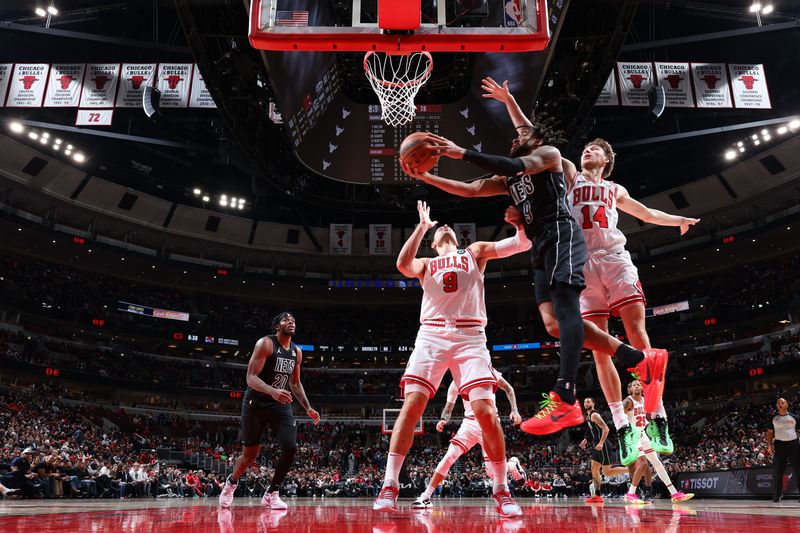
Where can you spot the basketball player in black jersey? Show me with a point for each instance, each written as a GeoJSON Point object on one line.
{"type": "Point", "coordinates": [602, 454]}
{"type": "Point", "coordinates": [273, 376]}
{"type": "Point", "coordinates": [533, 175]}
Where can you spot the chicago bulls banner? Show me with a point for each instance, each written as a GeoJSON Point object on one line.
{"type": "Point", "coordinates": [380, 239]}
{"type": "Point", "coordinates": [425, 248]}
{"type": "Point", "coordinates": [100, 85]}
{"type": "Point", "coordinates": [711, 85]}
{"type": "Point", "coordinates": [64, 85]}
{"type": "Point", "coordinates": [635, 79]}
{"type": "Point", "coordinates": [674, 78]}
{"type": "Point", "coordinates": [200, 96]}
{"type": "Point", "coordinates": [749, 86]}
{"type": "Point", "coordinates": [609, 95]}
{"type": "Point", "coordinates": [27, 85]}
{"type": "Point", "coordinates": [465, 232]}
{"type": "Point", "coordinates": [94, 117]}
{"type": "Point", "coordinates": [174, 80]}
{"type": "Point", "coordinates": [133, 79]}
{"type": "Point", "coordinates": [5, 77]}
{"type": "Point", "coordinates": [341, 238]}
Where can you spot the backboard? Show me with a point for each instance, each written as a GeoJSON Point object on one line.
{"type": "Point", "coordinates": [389, 419]}
{"type": "Point", "coordinates": [399, 25]}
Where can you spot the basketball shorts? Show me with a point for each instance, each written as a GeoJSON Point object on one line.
{"type": "Point", "coordinates": [462, 351]}
{"type": "Point", "coordinates": [559, 253]}
{"type": "Point", "coordinates": [612, 282]}
{"type": "Point", "coordinates": [604, 456]}
{"type": "Point", "coordinates": [258, 414]}
{"type": "Point", "coordinates": [644, 444]}
{"type": "Point", "coordinates": [468, 435]}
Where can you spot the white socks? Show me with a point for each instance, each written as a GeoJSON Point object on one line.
{"type": "Point", "coordinates": [428, 493]}
{"type": "Point", "coordinates": [618, 414]}
{"type": "Point", "coordinates": [499, 474]}
{"type": "Point", "coordinates": [660, 412]}
{"type": "Point", "coordinates": [393, 465]}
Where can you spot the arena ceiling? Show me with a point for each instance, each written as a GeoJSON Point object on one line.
{"type": "Point", "coordinates": [237, 150]}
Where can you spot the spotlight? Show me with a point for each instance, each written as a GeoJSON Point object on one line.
{"type": "Point", "coordinates": [41, 12]}
{"type": "Point", "coordinates": [794, 124]}
{"type": "Point", "coordinates": [56, 147]}
{"type": "Point", "coordinates": [16, 127]}
{"type": "Point", "coordinates": [730, 154]}
{"type": "Point", "coordinates": [68, 151]}
{"type": "Point", "coordinates": [754, 137]}
{"type": "Point", "coordinates": [755, 7]}
{"type": "Point", "coordinates": [46, 135]}
{"type": "Point", "coordinates": [233, 200]}
{"type": "Point", "coordinates": [767, 137]}
{"type": "Point", "coordinates": [33, 135]}
{"type": "Point", "coordinates": [43, 140]}
{"type": "Point", "coordinates": [782, 130]}
{"type": "Point", "coordinates": [224, 197]}
{"type": "Point", "coordinates": [756, 142]}
{"type": "Point", "coordinates": [741, 149]}
{"type": "Point", "coordinates": [740, 143]}
{"type": "Point", "coordinates": [241, 200]}
{"type": "Point", "coordinates": [197, 192]}
{"type": "Point", "coordinates": [206, 198]}
{"type": "Point", "coordinates": [52, 10]}
{"type": "Point", "coordinates": [767, 9]}
{"type": "Point", "coordinates": [765, 132]}
{"type": "Point", "coordinates": [241, 206]}
{"type": "Point", "coordinates": [223, 202]}
{"type": "Point", "coordinates": [58, 141]}
{"type": "Point", "coordinates": [69, 147]}
{"type": "Point", "coordinates": [79, 157]}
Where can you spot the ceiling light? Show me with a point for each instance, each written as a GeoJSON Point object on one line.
{"type": "Point", "coordinates": [756, 6]}
{"type": "Point", "coordinates": [794, 124]}
{"type": "Point", "coordinates": [43, 140]}
{"type": "Point", "coordinates": [756, 142]}
{"type": "Point", "coordinates": [52, 10]}
{"type": "Point", "coordinates": [765, 132]}
{"type": "Point", "coordinates": [767, 137]}
{"type": "Point", "coordinates": [33, 135]}
{"type": "Point", "coordinates": [730, 154]}
{"type": "Point", "coordinates": [241, 200]}
{"type": "Point", "coordinates": [206, 198]}
{"type": "Point", "coordinates": [754, 137]}
{"type": "Point", "coordinates": [224, 197]}
{"type": "Point", "coordinates": [241, 206]}
{"type": "Point", "coordinates": [223, 202]}
{"type": "Point", "coordinates": [782, 130]}
{"type": "Point", "coordinates": [67, 152]}
{"type": "Point", "coordinates": [41, 12]}
{"type": "Point", "coordinates": [69, 147]}
{"type": "Point", "coordinates": [16, 127]}
{"type": "Point", "coordinates": [46, 135]}
{"type": "Point", "coordinates": [197, 192]}
{"type": "Point", "coordinates": [740, 143]}
{"type": "Point", "coordinates": [79, 157]}
{"type": "Point", "coordinates": [58, 141]}
{"type": "Point", "coordinates": [741, 149]}
{"type": "Point", "coordinates": [56, 147]}
{"type": "Point", "coordinates": [233, 200]}
{"type": "Point", "coordinates": [767, 9]}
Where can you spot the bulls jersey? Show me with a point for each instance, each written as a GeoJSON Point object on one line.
{"type": "Point", "coordinates": [637, 416]}
{"type": "Point", "coordinates": [278, 367]}
{"type": "Point", "coordinates": [594, 207]}
{"type": "Point", "coordinates": [541, 198]}
{"type": "Point", "coordinates": [453, 291]}
{"type": "Point", "coordinates": [452, 396]}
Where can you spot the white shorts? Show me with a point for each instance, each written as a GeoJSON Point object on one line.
{"type": "Point", "coordinates": [469, 434]}
{"type": "Point", "coordinates": [645, 446]}
{"type": "Point", "coordinates": [612, 282]}
{"type": "Point", "coordinates": [462, 351]}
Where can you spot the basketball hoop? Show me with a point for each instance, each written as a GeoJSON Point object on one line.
{"type": "Point", "coordinates": [396, 79]}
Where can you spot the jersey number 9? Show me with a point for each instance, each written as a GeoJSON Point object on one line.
{"type": "Point", "coordinates": [450, 282]}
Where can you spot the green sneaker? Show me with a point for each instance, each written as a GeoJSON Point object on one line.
{"type": "Point", "coordinates": [628, 444]}
{"type": "Point", "coordinates": [658, 431]}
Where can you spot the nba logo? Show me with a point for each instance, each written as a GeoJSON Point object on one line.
{"type": "Point", "coordinates": [513, 13]}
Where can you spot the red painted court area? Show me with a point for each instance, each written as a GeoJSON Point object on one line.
{"type": "Point", "coordinates": [356, 516]}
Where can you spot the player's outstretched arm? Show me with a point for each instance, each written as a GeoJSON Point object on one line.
{"type": "Point", "coordinates": [407, 262]}
{"type": "Point", "coordinates": [519, 242]}
{"type": "Point", "coordinates": [652, 216]}
{"type": "Point", "coordinates": [447, 412]}
{"type": "Point", "coordinates": [261, 353]}
{"type": "Point", "coordinates": [299, 392]}
{"type": "Point", "coordinates": [492, 89]}
{"type": "Point", "coordinates": [506, 387]}
{"type": "Point", "coordinates": [494, 186]}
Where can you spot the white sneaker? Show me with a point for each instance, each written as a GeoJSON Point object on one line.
{"type": "Point", "coordinates": [505, 504]}
{"type": "Point", "coordinates": [226, 497]}
{"type": "Point", "coordinates": [273, 501]}
{"type": "Point", "coordinates": [516, 470]}
{"type": "Point", "coordinates": [386, 500]}
{"type": "Point", "coordinates": [421, 503]}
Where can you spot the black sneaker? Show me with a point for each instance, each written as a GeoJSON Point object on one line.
{"type": "Point", "coordinates": [421, 503]}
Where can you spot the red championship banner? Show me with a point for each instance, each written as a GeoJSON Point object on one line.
{"type": "Point", "coordinates": [341, 238]}
{"type": "Point", "coordinates": [174, 80]}
{"type": "Point", "coordinates": [380, 239]}
{"type": "Point", "coordinates": [64, 85]}
{"type": "Point", "coordinates": [5, 78]}
{"type": "Point", "coordinates": [711, 85]}
{"type": "Point", "coordinates": [675, 79]}
{"type": "Point", "coordinates": [200, 96]}
{"type": "Point", "coordinates": [100, 85]}
{"type": "Point", "coordinates": [27, 85]}
{"type": "Point", "coordinates": [635, 79]}
{"type": "Point", "coordinates": [609, 95]}
{"type": "Point", "coordinates": [465, 233]}
{"type": "Point", "coordinates": [749, 86]}
{"type": "Point", "coordinates": [133, 78]}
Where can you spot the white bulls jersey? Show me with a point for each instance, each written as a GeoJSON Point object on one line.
{"type": "Point", "coordinates": [594, 208]}
{"type": "Point", "coordinates": [637, 416]}
{"type": "Point", "coordinates": [453, 291]}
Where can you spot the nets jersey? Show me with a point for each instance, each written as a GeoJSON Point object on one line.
{"type": "Point", "coordinates": [540, 198]}
{"type": "Point", "coordinates": [453, 291]}
{"type": "Point", "coordinates": [278, 368]}
{"type": "Point", "coordinates": [452, 396]}
{"type": "Point", "coordinates": [637, 416]}
{"type": "Point", "coordinates": [594, 207]}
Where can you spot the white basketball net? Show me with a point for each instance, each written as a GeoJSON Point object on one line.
{"type": "Point", "coordinates": [396, 80]}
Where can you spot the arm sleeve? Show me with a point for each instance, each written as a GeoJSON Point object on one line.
{"type": "Point", "coordinates": [513, 245]}
{"type": "Point", "coordinates": [496, 164]}
{"type": "Point", "coordinates": [452, 392]}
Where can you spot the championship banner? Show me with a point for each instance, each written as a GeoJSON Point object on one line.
{"type": "Point", "coordinates": [711, 85]}
{"type": "Point", "coordinates": [609, 95]}
{"type": "Point", "coordinates": [100, 85]}
{"type": "Point", "coordinates": [635, 79]}
{"type": "Point", "coordinates": [465, 233]}
{"type": "Point", "coordinates": [132, 81]}
{"type": "Point", "coordinates": [64, 85]}
{"type": "Point", "coordinates": [200, 96]}
{"type": "Point", "coordinates": [5, 77]}
{"type": "Point", "coordinates": [380, 239]}
{"type": "Point", "coordinates": [341, 238]}
{"type": "Point", "coordinates": [674, 78]}
{"type": "Point", "coordinates": [27, 85]}
{"type": "Point", "coordinates": [749, 86]}
{"type": "Point", "coordinates": [174, 80]}
{"type": "Point", "coordinates": [425, 248]}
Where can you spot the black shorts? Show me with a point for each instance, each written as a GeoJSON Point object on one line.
{"type": "Point", "coordinates": [258, 413]}
{"type": "Point", "coordinates": [559, 253]}
{"type": "Point", "coordinates": [604, 456]}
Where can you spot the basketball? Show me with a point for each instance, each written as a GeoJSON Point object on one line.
{"type": "Point", "coordinates": [418, 153]}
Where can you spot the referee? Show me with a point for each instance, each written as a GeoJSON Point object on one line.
{"type": "Point", "coordinates": [783, 445]}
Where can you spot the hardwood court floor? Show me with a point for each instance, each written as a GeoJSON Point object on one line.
{"type": "Point", "coordinates": [356, 516]}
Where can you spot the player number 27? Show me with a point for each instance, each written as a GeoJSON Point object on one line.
{"type": "Point", "coordinates": [450, 282]}
{"type": "Point", "coordinates": [599, 217]}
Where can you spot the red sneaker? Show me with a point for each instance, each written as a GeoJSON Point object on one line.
{"type": "Point", "coordinates": [387, 500]}
{"type": "Point", "coordinates": [652, 372]}
{"type": "Point", "coordinates": [554, 415]}
{"type": "Point", "coordinates": [594, 499]}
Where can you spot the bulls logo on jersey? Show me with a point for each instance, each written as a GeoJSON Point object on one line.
{"type": "Point", "coordinates": [594, 194]}
{"type": "Point", "coordinates": [460, 262]}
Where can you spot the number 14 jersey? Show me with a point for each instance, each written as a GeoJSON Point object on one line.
{"type": "Point", "coordinates": [452, 291]}
{"type": "Point", "coordinates": [594, 208]}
